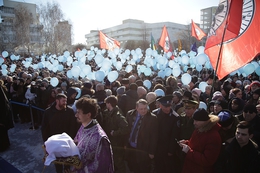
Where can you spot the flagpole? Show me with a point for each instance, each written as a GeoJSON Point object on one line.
{"type": "Point", "coordinates": [219, 53]}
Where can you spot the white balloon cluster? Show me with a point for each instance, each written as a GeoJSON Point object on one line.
{"type": "Point", "coordinates": [148, 62]}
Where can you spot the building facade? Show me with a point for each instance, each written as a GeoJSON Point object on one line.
{"type": "Point", "coordinates": [7, 30]}
{"type": "Point", "coordinates": [137, 30]}
{"type": "Point", "coordinates": [206, 18]}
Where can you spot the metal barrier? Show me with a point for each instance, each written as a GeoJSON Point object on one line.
{"type": "Point", "coordinates": [26, 105]}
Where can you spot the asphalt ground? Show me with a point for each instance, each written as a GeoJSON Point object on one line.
{"type": "Point", "coordinates": [25, 152]}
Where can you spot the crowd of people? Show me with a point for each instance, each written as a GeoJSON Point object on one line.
{"type": "Point", "coordinates": [124, 125]}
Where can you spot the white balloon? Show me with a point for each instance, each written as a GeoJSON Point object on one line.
{"type": "Point", "coordinates": [148, 52]}
{"type": "Point", "coordinates": [159, 92]}
{"type": "Point", "coordinates": [112, 76]}
{"type": "Point", "coordinates": [54, 81]}
{"type": "Point", "coordinates": [186, 78]}
{"type": "Point", "coordinates": [202, 86]}
{"type": "Point", "coordinates": [86, 69]}
{"type": "Point", "coordinates": [66, 54]}
{"type": "Point", "coordinates": [100, 75]}
{"type": "Point", "coordinates": [128, 68]}
{"type": "Point", "coordinates": [147, 71]}
{"type": "Point", "coordinates": [176, 72]}
{"type": "Point", "coordinates": [147, 84]}
{"type": "Point", "coordinates": [13, 57]}
{"type": "Point", "coordinates": [4, 66]}
{"type": "Point", "coordinates": [118, 65]}
{"type": "Point", "coordinates": [203, 105]}
{"type": "Point", "coordinates": [106, 64]}
{"type": "Point", "coordinates": [5, 54]}
{"type": "Point", "coordinates": [99, 59]}
{"type": "Point", "coordinates": [168, 72]}
{"type": "Point", "coordinates": [1, 60]}
{"type": "Point", "coordinates": [201, 58]}
{"type": "Point", "coordinates": [169, 54]}
{"type": "Point", "coordinates": [201, 49]}
{"type": "Point", "coordinates": [69, 74]}
{"type": "Point", "coordinates": [185, 60]}
{"type": "Point", "coordinates": [75, 70]}
{"type": "Point", "coordinates": [138, 51]}
{"type": "Point", "coordinates": [4, 72]}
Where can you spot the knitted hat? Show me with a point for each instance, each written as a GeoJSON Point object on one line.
{"type": "Point", "coordinates": [197, 91]}
{"type": "Point", "coordinates": [225, 118]}
{"type": "Point", "coordinates": [120, 90]}
{"type": "Point", "coordinates": [222, 103]}
{"type": "Point", "coordinates": [200, 115]}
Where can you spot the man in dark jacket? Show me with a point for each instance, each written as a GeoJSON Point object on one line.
{"type": "Point", "coordinates": [116, 128]}
{"type": "Point", "coordinates": [166, 159]}
{"type": "Point", "coordinates": [57, 119]}
{"type": "Point", "coordinates": [250, 115]}
{"type": "Point", "coordinates": [142, 141]}
{"type": "Point", "coordinates": [241, 154]}
{"type": "Point", "coordinates": [128, 100]}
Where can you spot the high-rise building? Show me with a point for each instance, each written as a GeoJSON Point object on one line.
{"type": "Point", "coordinates": [137, 30]}
{"type": "Point", "coordinates": [7, 30]}
{"type": "Point", "coordinates": [206, 18]}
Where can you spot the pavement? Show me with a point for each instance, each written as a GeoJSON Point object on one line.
{"type": "Point", "coordinates": [25, 152]}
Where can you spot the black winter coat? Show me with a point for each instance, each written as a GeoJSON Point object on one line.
{"type": "Point", "coordinates": [59, 121]}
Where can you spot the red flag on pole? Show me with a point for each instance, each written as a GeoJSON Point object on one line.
{"type": "Point", "coordinates": [196, 31]}
{"type": "Point", "coordinates": [241, 49]}
{"type": "Point", "coordinates": [107, 42]}
{"type": "Point", "coordinates": [227, 15]}
{"type": "Point", "coordinates": [165, 42]}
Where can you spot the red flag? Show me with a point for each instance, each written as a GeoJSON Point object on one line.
{"type": "Point", "coordinates": [165, 42]}
{"type": "Point", "coordinates": [107, 42]}
{"type": "Point", "coordinates": [228, 14]}
{"type": "Point", "coordinates": [237, 51]}
{"type": "Point", "coordinates": [196, 31]}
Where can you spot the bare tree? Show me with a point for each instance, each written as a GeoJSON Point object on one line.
{"type": "Point", "coordinates": [22, 21]}
{"type": "Point", "coordinates": [50, 16]}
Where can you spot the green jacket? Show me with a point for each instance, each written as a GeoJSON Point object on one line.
{"type": "Point", "coordinates": [187, 127]}
{"type": "Point", "coordinates": [116, 122]}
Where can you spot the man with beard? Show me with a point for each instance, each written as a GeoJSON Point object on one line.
{"type": "Point", "coordinates": [57, 119]}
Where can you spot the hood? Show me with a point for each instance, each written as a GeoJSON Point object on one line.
{"type": "Point", "coordinates": [71, 91]}
{"type": "Point", "coordinates": [240, 105]}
